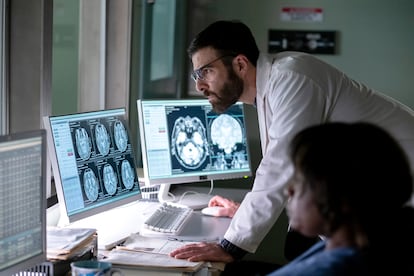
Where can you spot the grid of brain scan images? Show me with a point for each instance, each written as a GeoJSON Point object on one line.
{"type": "Point", "coordinates": [104, 158]}
{"type": "Point", "coordinates": [203, 140]}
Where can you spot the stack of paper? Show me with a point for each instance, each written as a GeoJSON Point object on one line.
{"type": "Point", "coordinates": [139, 251]}
{"type": "Point", "coordinates": [66, 243]}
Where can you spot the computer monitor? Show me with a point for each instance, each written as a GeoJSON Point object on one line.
{"type": "Point", "coordinates": [185, 141]}
{"type": "Point", "coordinates": [23, 159]}
{"type": "Point", "coordinates": [93, 162]}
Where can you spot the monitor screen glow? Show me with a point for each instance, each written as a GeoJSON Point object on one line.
{"type": "Point", "coordinates": [93, 162]}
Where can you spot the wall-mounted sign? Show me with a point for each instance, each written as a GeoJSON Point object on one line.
{"type": "Point", "coordinates": [315, 42]}
{"type": "Point", "coordinates": [301, 14]}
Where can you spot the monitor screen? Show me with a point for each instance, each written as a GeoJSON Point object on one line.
{"type": "Point", "coordinates": [185, 141]}
{"type": "Point", "coordinates": [23, 160]}
{"type": "Point", "coordinates": [92, 161]}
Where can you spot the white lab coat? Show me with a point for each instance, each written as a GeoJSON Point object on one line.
{"type": "Point", "coordinates": [296, 90]}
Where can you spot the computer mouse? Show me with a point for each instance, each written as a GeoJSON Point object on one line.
{"type": "Point", "coordinates": [211, 211]}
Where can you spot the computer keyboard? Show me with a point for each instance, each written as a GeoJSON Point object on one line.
{"type": "Point", "coordinates": [168, 219]}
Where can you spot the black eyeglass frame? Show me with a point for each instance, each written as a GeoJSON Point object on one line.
{"type": "Point", "coordinates": [198, 73]}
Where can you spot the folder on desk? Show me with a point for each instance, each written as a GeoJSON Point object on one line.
{"type": "Point", "coordinates": [130, 259]}
{"type": "Point", "coordinates": [138, 243]}
{"type": "Point", "coordinates": [139, 251]}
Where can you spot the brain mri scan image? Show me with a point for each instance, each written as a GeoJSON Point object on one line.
{"type": "Point", "coordinates": [110, 179]}
{"type": "Point", "coordinates": [226, 135]}
{"type": "Point", "coordinates": [189, 142]}
{"type": "Point", "coordinates": [121, 136]}
{"type": "Point", "coordinates": [83, 143]}
{"type": "Point", "coordinates": [102, 139]}
{"type": "Point", "coordinates": [226, 132]}
{"type": "Point", "coordinates": [90, 185]}
{"type": "Point", "coordinates": [127, 174]}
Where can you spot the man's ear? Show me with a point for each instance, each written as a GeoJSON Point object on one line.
{"type": "Point", "coordinates": [240, 64]}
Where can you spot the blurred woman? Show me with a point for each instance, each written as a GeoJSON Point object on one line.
{"type": "Point", "coordinates": [350, 185]}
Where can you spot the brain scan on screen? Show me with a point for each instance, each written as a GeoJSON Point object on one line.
{"type": "Point", "coordinates": [110, 179]}
{"type": "Point", "coordinates": [102, 139]}
{"type": "Point", "coordinates": [226, 132]}
{"type": "Point", "coordinates": [83, 143]}
{"type": "Point", "coordinates": [226, 137]}
{"type": "Point", "coordinates": [189, 142]}
{"type": "Point", "coordinates": [90, 185]}
{"type": "Point", "coordinates": [121, 136]}
{"type": "Point", "coordinates": [127, 174]}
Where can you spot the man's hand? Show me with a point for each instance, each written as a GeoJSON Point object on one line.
{"type": "Point", "coordinates": [198, 252]}
{"type": "Point", "coordinates": [230, 206]}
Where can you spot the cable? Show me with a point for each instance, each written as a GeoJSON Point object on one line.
{"type": "Point", "coordinates": [211, 186]}
{"type": "Point", "coordinates": [194, 192]}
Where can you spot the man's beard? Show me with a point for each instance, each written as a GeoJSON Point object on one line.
{"type": "Point", "coordinates": [229, 94]}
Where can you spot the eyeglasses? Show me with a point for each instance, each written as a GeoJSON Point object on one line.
{"type": "Point", "coordinates": [201, 73]}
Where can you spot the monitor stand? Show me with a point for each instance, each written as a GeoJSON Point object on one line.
{"type": "Point", "coordinates": [191, 199]}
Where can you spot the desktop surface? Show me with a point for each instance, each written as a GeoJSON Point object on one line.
{"type": "Point", "coordinates": [114, 226]}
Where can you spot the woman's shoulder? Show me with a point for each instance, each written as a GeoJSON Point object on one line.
{"type": "Point", "coordinates": [339, 261]}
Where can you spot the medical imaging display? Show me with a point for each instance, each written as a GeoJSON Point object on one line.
{"type": "Point", "coordinates": [95, 158]}
{"type": "Point", "coordinates": [186, 137]}
{"type": "Point", "coordinates": [203, 140]}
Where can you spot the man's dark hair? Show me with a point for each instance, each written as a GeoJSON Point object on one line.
{"type": "Point", "coordinates": [228, 38]}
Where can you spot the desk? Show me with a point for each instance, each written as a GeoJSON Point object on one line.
{"type": "Point", "coordinates": [199, 228]}
{"type": "Point", "coordinates": [202, 227]}
{"type": "Point", "coordinates": [128, 219]}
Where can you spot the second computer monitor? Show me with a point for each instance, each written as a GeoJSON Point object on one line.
{"type": "Point", "coordinates": [185, 141]}
{"type": "Point", "coordinates": [93, 162]}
